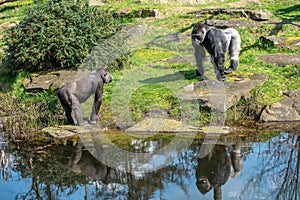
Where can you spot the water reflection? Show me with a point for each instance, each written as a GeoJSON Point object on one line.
{"type": "Point", "coordinates": [234, 170]}
{"type": "Point", "coordinates": [81, 161]}
{"type": "Point", "coordinates": [214, 170]}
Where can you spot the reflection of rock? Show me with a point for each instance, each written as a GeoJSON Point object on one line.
{"type": "Point", "coordinates": [287, 109]}
{"type": "Point", "coordinates": [281, 59]}
{"type": "Point", "coordinates": [288, 127]}
{"type": "Point", "coordinates": [234, 91]}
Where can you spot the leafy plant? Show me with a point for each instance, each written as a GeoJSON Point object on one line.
{"type": "Point", "coordinates": [57, 34]}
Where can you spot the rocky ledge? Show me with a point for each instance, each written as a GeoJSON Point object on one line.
{"type": "Point", "coordinates": [222, 96]}
{"type": "Point", "coordinates": [288, 109]}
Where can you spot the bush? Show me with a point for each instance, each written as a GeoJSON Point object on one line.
{"type": "Point", "coordinates": [58, 34]}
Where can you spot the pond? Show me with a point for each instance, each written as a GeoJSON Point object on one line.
{"type": "Point", "coordinates": [153, 168]}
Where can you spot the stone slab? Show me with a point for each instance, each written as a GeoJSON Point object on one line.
{"type": "Point", "coordinates": [161, 125]}
{"type": "Point", "coordinates": [70, 131]}
{"type": "Point", "coordinates": [282, 42]}
{"type": "Point", "coordinates": [233, 23]}
{"type": "Point", "coordinates": [281, 59]}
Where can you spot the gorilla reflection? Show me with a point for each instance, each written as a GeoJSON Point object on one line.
{"type": "Point", "coordinates": [82, 161]}
{"type": "Point", "coordinates": [214, 169]}
{"type": "Point", "coordinates": [78, 91]}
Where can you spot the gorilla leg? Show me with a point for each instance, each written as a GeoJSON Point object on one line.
{"type": "Point", "coordinates": [218, 63]}
{"type": "Point", "coordinates": [234, 49]}
{"type": "Point", "coordinates": [200, 56]}
{"type": "Point", "coordinates": [234, 60]}
{"type": "Point", "coordinates": [63, 98]}
{"type": "Point", "coordinates": [77, 111]}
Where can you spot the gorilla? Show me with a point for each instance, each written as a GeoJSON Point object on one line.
{"type": "Point", "coordinates": [78, 91]}
{"type": "Point", "coordinates": [217, 43]}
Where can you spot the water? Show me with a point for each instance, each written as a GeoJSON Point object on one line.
{"type": "Point", "coordinates": [236, 169]}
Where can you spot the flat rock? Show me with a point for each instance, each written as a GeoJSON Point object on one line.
{"type": "Point", "coordinates": [285, 110]}
{"type": "Point", "coordinates": [282, 42]}
{"type": "Point", "coordinates": [52, 80]}
{"type": "Point", "coordinates": [258, 15]}
{"type": "Point", "coordinates": [162, 125]}
{"type": "Point", "coordinates": [221, 96]}
{"type": "Point", "coordinates": [281, 59]}
{"type": "Point", "coordinates": [69, 131]}
{"type": "Point", "coordinates": [233, 23]}
{"type": "Point", "coordinates": [39, 82]}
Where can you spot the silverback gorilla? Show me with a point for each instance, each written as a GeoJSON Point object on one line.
{"type": "Point", "coordinates": [78, 91]}
{"type": "Point", "coordinates": [217, 43]}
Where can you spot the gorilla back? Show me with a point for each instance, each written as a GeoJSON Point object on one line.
{"type": "Point", "coordinates": [78, 91]}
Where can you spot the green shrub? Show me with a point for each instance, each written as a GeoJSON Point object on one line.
{"type": "Point", "coordinates": [58, 34]}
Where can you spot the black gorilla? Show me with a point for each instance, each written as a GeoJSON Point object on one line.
{"type": "Point", "coordinates": [78, 91]}
{"type": "Point", "coordinates": [217, 43]}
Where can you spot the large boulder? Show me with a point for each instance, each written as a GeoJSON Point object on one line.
{"type": "Point", "coordinates": [287, 109]}
{"type": "Point", "coordinates": [222, 96]}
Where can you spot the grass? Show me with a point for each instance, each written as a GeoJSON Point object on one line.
{"type": "Point", "coordinates": [168, 37]}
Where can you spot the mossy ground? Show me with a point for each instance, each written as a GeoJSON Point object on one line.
{"type": "Point", "coordinates": [174, 19]}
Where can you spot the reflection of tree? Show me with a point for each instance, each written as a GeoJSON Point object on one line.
{"type": "Point", "coordinates": [290, 186]}
{"type": "Point", "coordinates": [277, 169]}
{"type": "Point", "coordinates": [47, 173]}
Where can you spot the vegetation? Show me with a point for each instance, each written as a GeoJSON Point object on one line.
{"type": "Point", "coordinates": [57, 35]}
{"type": "Point", "coordinates": [149, 52]}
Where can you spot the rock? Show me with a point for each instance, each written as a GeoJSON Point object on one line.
{"type": "Point", "coordinates": [53, 80]}
{"type": "Point", "coordinates": [287, 109]}
{"type": "Point", "coordinates": [258, 15]}
{"type": "Point", "coordinates": [123, 12]}
{"type": "Point", "coordinates": [281, 59]}
{"type": "Point", "coordinates": [281, 42]}
{"type": "Point", "coordinates": [36, 83]}
{"type": "Point", "coordinates": [162, 125]}
{"type": "Point", "coordinates": [146, 13]}
{"type": "Point", "coordinates": [232, 23]}
{"type": "Point", "coordinates": [70, 131]}
{"type": "Point", "coordinates": [222, 96]}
